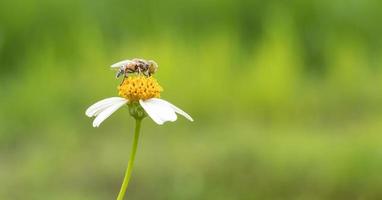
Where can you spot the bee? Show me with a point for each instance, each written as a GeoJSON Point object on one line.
{"type": "Point", "coordinates": [136, 65]}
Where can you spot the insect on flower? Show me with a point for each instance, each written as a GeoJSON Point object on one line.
{"type": "Point", "coordinates": [136, 65]}
{"type": "Point", "coordinates": [140, 92]}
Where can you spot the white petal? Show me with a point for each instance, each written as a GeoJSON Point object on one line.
{"type": "Point", "coordinates": [159, 111]}
{"type": "Point", "coordinates": [107, 112]}
{"type": "Point", "coordinates": [176, 109]}
{"type": "Point", "coordinates": [99, 106]}
{"type": "Point", "coordinates": [120, 63]}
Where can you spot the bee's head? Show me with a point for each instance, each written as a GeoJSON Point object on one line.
{"type": "Point", "coordinates": [153, 66]}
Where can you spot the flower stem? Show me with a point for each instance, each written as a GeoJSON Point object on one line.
{"type": "Point", "coordinates": [130, 165]}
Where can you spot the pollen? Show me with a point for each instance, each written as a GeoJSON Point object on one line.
{"type": "Point", "coordinates": [139, 87]}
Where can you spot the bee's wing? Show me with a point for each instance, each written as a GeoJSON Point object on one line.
{"type": "Point", "coordinates": [120, 63]}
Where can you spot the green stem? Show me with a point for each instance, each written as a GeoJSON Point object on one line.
{"type": "Point", "coordinates": [130, 165]}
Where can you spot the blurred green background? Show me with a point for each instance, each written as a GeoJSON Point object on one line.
{"type": "Point", "coordinates": [286, 98]}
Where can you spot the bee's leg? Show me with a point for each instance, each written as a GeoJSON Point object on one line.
{"type": "Point", "coordinates": [122, 81]}
{"type": "Point", "coordinates": [139, 70]}
{"type": "Point", "coordinates": [124, 77]}
{"type": "Point", "coordinates": [119, 73]}
{"type": "Point", "coordinates": [127, 72]}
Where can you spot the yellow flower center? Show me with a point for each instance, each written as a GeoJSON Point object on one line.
{"type": "Point", "coordinates": [135, 88]}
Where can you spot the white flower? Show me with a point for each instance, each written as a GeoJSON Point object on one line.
{"type": "Point", "coordinates": [142, 91]}
{"type": "Point", "coordinates": [159, 110]}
